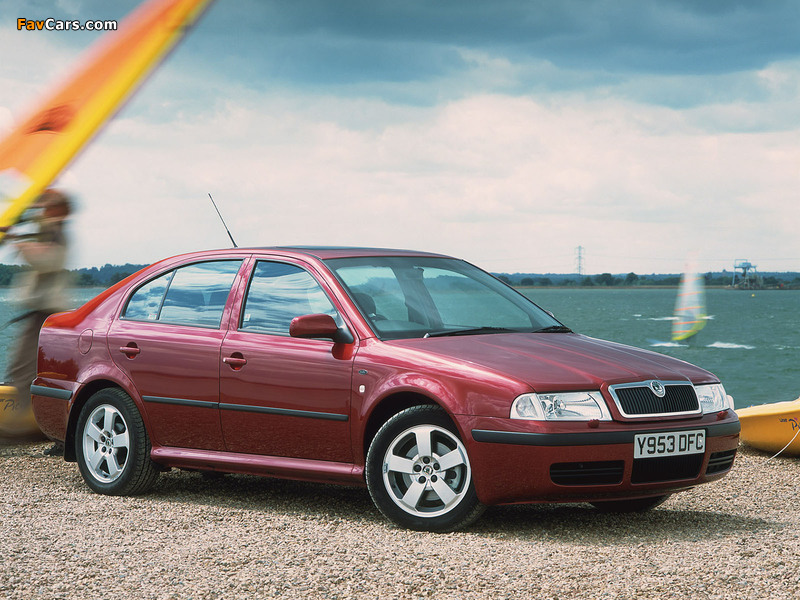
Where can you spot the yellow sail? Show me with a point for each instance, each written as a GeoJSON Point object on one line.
{"type": "Point", "coordinates": [35, 152]}
{"type": "Point", "coordinates": [690, 307]}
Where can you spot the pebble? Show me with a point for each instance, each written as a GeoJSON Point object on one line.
{"type": "Point", "coordinates": [250, 538]}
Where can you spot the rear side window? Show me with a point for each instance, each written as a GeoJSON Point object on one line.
{"type": "Point", "coordinates": [192, 295]}
{"type": "Point", "coordinates": [145, 303]}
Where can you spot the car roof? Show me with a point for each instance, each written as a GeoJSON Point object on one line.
{"type": "Point", "coordinates": [326, 252]}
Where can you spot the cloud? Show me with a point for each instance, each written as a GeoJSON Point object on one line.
{"type": "Point", "coordinates": [633, 36]}
{"type": "Point", "coordinates": [345, 47]}
{"type": "Point", "coordinates": [416, 125]}
{"type": "Point", "coordinates": [70, 7]}
{"type": "Point", "coordinates": [499, 180]}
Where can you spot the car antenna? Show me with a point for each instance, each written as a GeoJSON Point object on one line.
{"type": "Point", "coordinates": [223, 220]}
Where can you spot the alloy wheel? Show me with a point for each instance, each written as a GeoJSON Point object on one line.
{"type": "Point", "coordinates": [106, 443]}
{"type": "Point", "coordinates": [426, 471]}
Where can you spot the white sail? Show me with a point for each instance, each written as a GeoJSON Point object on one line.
{"type": "Point", "coordinates": [690, 307]}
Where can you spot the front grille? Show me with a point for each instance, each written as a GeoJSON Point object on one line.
{"type": "Point", "coordinates": [587, 473]}
{"type": "Point", "coordinates": [668, 468]}
{"type": "Point", "coordinates": [720, 461]}
{"type": "Point", "coordinates": [639, 400]}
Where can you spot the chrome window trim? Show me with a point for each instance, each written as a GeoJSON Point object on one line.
{"type": "Point", "coordinates": [612, 390]}
{"type": "Point", "coordinates": [171, 271]}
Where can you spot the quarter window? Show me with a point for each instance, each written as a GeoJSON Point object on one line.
{"type": "Point", "coordinates": [278, 293]}
{"type": "Point", "coordinates": [145, 303]}
{"type": "Point", "coordinates": [192, 295]}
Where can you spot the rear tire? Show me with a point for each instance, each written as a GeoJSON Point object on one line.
{"type": "Point", "coordinates": [629, 506]}
{"type": "Point", "coordinates": [418, 472]}
{"type": "Point", "coordinates": [112, 447]}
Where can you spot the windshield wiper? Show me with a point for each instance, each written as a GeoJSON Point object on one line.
{"type": "Point", "coordinates": [554, 329]}
{"type": "Point", "coordinates": [470, 331]}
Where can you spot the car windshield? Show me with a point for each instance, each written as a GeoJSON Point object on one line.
{"type": "Point", "coordinates": [413, 296]}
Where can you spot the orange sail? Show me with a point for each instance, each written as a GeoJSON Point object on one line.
{"type": "Point", "coordinates": [43, 144]}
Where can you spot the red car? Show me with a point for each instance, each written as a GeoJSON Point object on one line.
{"type": "Point", "coordinates": [425, 378]}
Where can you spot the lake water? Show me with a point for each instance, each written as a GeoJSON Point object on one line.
{"type": "Point", "coordinates": [751, 341]}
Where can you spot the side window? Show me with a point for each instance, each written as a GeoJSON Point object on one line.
{"type": "Point", "coordinates": [197, 293]}
{"type": "Point", "coordinates": [278, 293]}
{"type": "Point", "coordinates": [191, 295]}
{"type": "Point", "coordinates": [145, 303]}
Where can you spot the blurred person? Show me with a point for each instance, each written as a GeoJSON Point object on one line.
{"type": "Point", "coordinates": [41, 292]}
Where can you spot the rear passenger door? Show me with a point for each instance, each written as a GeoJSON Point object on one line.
{"type": "Point", "coordinates": [167, 341]}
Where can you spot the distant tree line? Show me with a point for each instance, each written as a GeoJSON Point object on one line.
{"type": "Point", "coordinates": [104, 276]}
{"type": "Point", "coordinates": [789, 280]}
{"type": "Point", "coordinates": [7, 273]}
{"type": "Point", "coordinates": [108, 275]}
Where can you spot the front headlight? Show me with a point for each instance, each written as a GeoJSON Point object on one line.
{"type": "Point", "coordinates": [565, 406]}
{"type": "Point", "coordinates": [713, 398]}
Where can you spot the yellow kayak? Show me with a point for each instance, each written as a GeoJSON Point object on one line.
{"type": "Point", "coordinates": [772, 427]}
{"type": "Point", "coordinates": [16, 423]}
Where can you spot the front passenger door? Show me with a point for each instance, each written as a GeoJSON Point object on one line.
{"type": "Point", "coordinates": [279, 395]}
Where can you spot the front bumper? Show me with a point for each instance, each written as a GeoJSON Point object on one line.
{"type": "Point", "coordinates": [514, 461]}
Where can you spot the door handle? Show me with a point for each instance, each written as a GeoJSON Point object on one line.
{"type": "Point", "coordinates": [130, 350]}
{"type": "Point", "coordinates": [235, 362]}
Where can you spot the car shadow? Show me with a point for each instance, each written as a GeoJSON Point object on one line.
{"type": "Point", "coordinates": [581, 523]}
{"type": "Point", "coordinates": [563, 523]}
{"type": "Point", "coordinates": [266, 494]}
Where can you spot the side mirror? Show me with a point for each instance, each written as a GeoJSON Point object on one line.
{"type": "Point", "coordinates": [319, 326]}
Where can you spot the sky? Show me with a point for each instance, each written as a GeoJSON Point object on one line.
{"type": "Point", "coordinates": [509, 133]}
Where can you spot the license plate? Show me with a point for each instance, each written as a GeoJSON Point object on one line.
{"type": "Point", "coordinates": [651, 445]}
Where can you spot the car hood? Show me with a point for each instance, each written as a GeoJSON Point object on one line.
{"type": "Point", "coordinates": [552, 361]}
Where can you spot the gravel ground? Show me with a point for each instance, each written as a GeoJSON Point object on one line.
{"type": "Point", "coordinates": [250, 538]}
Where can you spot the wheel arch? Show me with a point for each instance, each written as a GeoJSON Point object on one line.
{"type": "Point", "coordinates": [81, 398]}
{"type": "Point", "coordinates": [389, 406]}
{"type": "Point", "coordinates": [427, 496]}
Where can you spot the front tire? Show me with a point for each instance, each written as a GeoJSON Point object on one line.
{"type": "Point", "coordinates": [112, 446]}
{"type": "Point", "coordinates": [418, 472]}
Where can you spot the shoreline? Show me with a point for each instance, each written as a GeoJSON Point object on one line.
{"type": "Point", "coordinates": [643, 287]}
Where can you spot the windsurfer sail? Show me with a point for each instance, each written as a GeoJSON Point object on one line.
{"type": "Point", "coordinates": [690, 307]}
{"type": "Point", "coordinates": [33, 154]}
